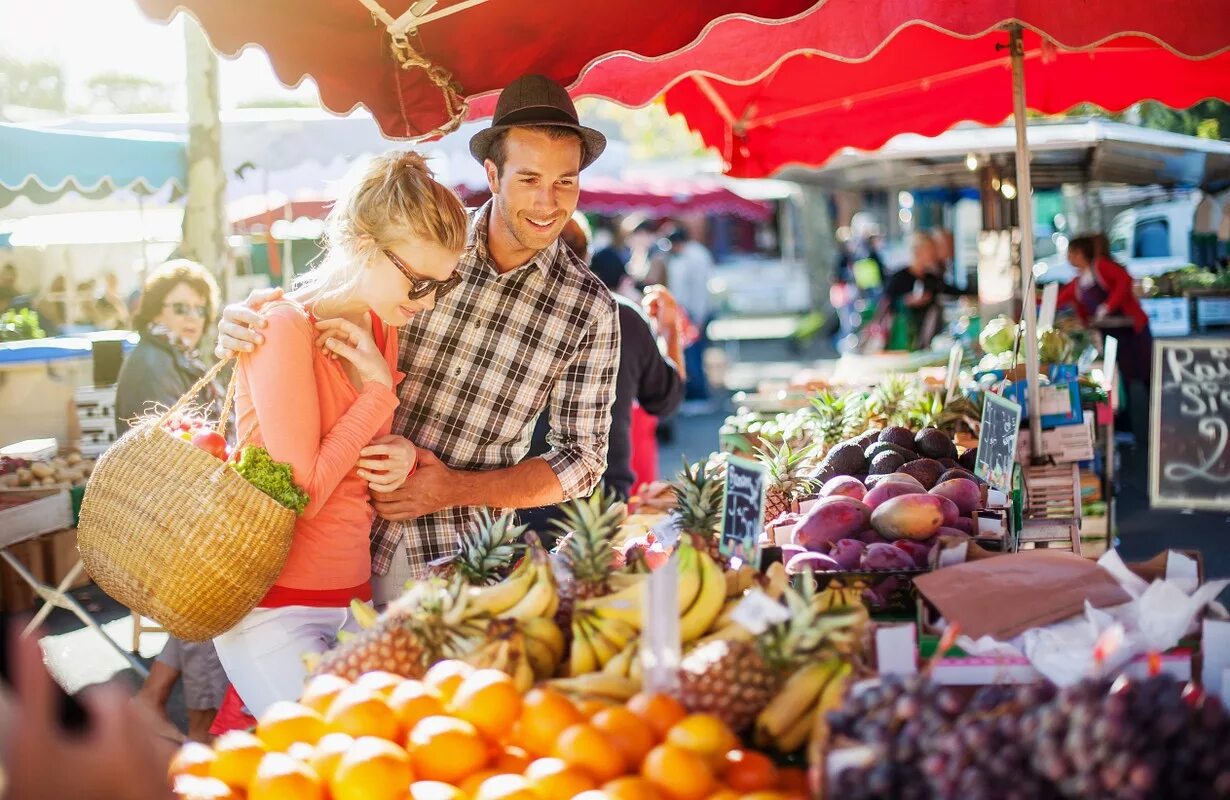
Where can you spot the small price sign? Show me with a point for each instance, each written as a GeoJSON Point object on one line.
{"type": "Point", "coordinates": [743, 510]}
{"type": "Point", "coordinates": [1001, 424]}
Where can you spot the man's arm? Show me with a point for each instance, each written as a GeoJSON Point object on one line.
{"type": "Point", "coordinates": [580, 415]}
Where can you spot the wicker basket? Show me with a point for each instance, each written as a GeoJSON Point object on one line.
{"type": "Point", "coordinates": [178, 536]}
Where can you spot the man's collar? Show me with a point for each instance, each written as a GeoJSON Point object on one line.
{"type": "Point", "coordinates": [476, 240]}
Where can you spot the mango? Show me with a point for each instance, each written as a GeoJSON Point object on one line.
{"type": "Point", "coordinates": [844, 486]}
{"type": "Point", "coordinates": [909, 516]}
{"type": "Point", "coordinates": [886, 490]}
{"type": "Point", "coordinates": [885, 556]}
{"type": "Point", "coordinates": [963, 492]}
{"type": "Point", "coordinates": [834, 518]}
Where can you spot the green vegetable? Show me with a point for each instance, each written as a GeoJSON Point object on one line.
{"type": "Point", "coordinates": [998, 335]}
{"type": "Point", "coordinates": [1053, 346]}
{"type": "Point", "coordinates": [272, 477]}
{"type": "Point", "coordinates": [16, 326]}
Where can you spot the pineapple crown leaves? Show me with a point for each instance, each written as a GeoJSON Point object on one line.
{"type": "Point", "coordinates": [699, 493]}
{"type": "Point", "coordinates": [785, 464]}
{"type": "Point", "coordinates": [482, 553]}
{"type": "Point", "coordinates": [927, 410]}
{"type": "Point", "coordinates": [809, 630]}
{"type": "Point", "coordinates": [590, 525]}
{"type": "Point", "coordinates": [890, 400]}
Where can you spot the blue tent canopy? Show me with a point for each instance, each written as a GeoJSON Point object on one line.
{"type": "Point", "coordinates": [43, 165]}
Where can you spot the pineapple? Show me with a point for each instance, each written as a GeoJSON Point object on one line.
{"type": "Point", "coordinates": [585, 556]}
{"type": "Point", "coordinates": [926, 411]}
{"type": "Point", "coordinates": [701, 492]}
{"type": "Point", "coordinates": [890, 401]}
{"type": "Point", "coordinates": [484, 554]}
{"type": "Point", "coordinates": [785, 481]}
{"type": "Point", "coordinates": [735, 679]}
{"type": "Point", "coordinates": [829, 419]}
{"type": "Point", "coordinates": [419, 628]}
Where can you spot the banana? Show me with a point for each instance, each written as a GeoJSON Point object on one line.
{"type": "Point", "coordinates": [519, 667]}
{"type": "Point", "coordinates": [537, 601]}
{"type": "Point", "coordinates": [778, 580]}
{"type": "Point", "coordinates": [542, 659]}
{"type": "Point", "coordinates": [598, 684]}
{"type": "Point", "coordinates": [582, 659]}
{"type": "Point", "coordinates": [627, 604]}
{"type": "Point", "coordinates": [499, 597]}
{"type": "Point", "coordinates": [831, 697]}
{"type": "Point", "coordinates": [731, 631]}
{"type": "Point", "coordinates": [724, 616]}
{"type": "Point", "coordinates": [621, 664]}
{"type": "Point", "coordinates": [636, 671]}
{"type": "Point", "coordinates": [622, 580]}
{"type": "Point", "coordinates": [732, 583]}
{"type": "Point", "coordinates": [615, 631]}
{"type": "Point", "coordinates": [544, 631]}
{"type": "Point", "coordinates": [796, 736]}
{"type": "Point", "coordinates": [795, 697]}
{"type": "Point", "coordinates": [697, 619]}
{"type": "Point", "coordinates": [747, 578]}
{"type": "Point", "coordinates": [689, 575]}
{"type": "Point", "coordinates": [363, 614]}
{"type": "Point", "coordinates": [604, 649]}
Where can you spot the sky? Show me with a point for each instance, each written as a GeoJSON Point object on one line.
{"type": "Point", "coordinates": [91, 36]}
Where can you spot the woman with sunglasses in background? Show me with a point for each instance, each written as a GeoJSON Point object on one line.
{"type": "Point", "coordinates": [176, 306]}
{"type": "Point", "coordinates": [319, 395]}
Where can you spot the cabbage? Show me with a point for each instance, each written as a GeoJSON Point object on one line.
{"type": "Point", "coordinates": [1053, 346]}
{"type": "Point", "coordinates": [997, 336]}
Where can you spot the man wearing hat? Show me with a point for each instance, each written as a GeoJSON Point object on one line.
{"type": "Point", "coordinates": [528, 328]}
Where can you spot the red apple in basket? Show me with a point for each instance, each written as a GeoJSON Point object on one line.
{"type": "Point", "coordinates": [211, 442]}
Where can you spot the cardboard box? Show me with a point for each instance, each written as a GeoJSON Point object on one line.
{"type": "Point", "coordinates": [60, 556]}
{"type": "Point", "coordinates": [17, 596]}
{"type": "Point", "coordinates": [981, 671]}
{"type": "Point", "coordinates": [29, 513]}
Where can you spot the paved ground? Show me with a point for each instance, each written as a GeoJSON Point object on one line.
{"type": "Point", "coordinates": [79, 657]}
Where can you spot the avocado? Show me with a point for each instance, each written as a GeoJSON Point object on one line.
{"type": "Point", "coordinates": [934, 443]}
{"type": "Point", "coordinates": [846, 458]}
{"type": "Point", "coordinates": [886, 462]}
{"type": "Point", "coordinates": [868, 438]}
{"type": "Point", "coordinates": [926, 471]}
{"type": "Point", "coordinates": [902, 437]}
{"type": "Point", "coordinates": [969, 458]}
{"type": "Point", "coordinates": [888, 447]}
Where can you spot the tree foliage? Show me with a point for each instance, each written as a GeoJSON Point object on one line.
{"type": "Point", "coordinates": [33, 84]}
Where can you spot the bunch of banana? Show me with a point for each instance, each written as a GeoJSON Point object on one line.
{"type": "Point", "coordinates": [787, 722]}
{"type": "Point", "coordinates": [596, 685]}
{"type": "Point", "coordinates": [627, 601]}
{"type": "Point", "coordinates": [841, 592]}
{"type": "Point", "coordinates": [528, 592]}
{"type": "Point", "coordinates": [544, 645]}
{"type": "Point", "coordinates": [626, 663]}
{"type": "Point", "coordinates": [709, 601]}
{"type": "Point", "coordinates": [740, 580]}
{"type": "Point", "coordinates": [505, 650]}
{"type": "Point", "coordinates": [596, 640]}
{"type": "Point", "coordinates": [773, 583]}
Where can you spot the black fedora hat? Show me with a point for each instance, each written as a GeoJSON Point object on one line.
{"type": "Point", "coordinates": [537, 100]}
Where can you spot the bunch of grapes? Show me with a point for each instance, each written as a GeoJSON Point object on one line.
{"type": "Point", "coordinates": [1120, 741]}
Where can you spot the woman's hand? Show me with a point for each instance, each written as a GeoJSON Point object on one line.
{"type": "Point", "coordinates": [387, 462]}
{"type": "Point", "coordinates": [238, 328]}
{"type": "Point", "coordinates": [347, 340]}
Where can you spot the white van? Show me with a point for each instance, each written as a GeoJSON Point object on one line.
{"type": "Point", "coordinates": [1148, 240]}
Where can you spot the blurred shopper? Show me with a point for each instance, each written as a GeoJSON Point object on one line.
{"type": "Point", "coordinates": [688, 273]}
{"type": "Point", "coordinates": [912, 297]}
{"type": "Point", "coordinates": [176, 307]}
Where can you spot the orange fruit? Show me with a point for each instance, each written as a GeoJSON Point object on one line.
{"type": "Point", "coordinates": [446, 749]}
{"type": "Point", "coordinates": [703, 734]}
{"type": "Point", "coordinates": [511, 758]}
{"type": "Point", "coordinates": [749, 771]}
{"type": "Point", "coordinates": [725, 794]}
{"type": "Point", "coordinates": [380, 681]}
{"type": "Point", "coordinates": [627, 731]}
{"type": "Point", "coordinates": [413, 700]}
{"type": "Point", "coordinates": [435, 790]}
{"type": "Point", "coordinates": [196, 787]}
{"type": "Point", "coordinates": [469, 785]}
{"type": "Point", "coordinates": [488, 699]}
{"type": "Point", "coordinates": [505, 787]}
{"type": "Point", "coordinates": [544, 716]}
{"type": "Point", "coordinates": [360, 711]}
{"type": "Point", "coordinates": [792, 780]}
{"type": "Point", "coordinates": [631, 787]}
{"type": "Point", "coordinates": [280, 777]}
{"type": "Point", "coordinates": [285, 723]}
{"type": "Point", "coordinates": [584, 746]}
{"type": "Point", "coordinates": [328, 751]}
{"type": "Point", "coordinates": [372, 769]}
{"type": "Point", "coordinates": [678, 773]}
{"type": "Point", "coordinates": [591, 706]}
{"type": "Point", "coordinates": [193, 758]}
{"type": "Point", "coordinates": [661, 711]}
{"type": "Point", "coordinates": [765, 795]}
{"type": "Point", "coordinates": [593, 794]}
{"type": "Point", "coordinates": [556, 779]}
{"type": "Point", "coordinates": [319, 693]}
{"type": "Point", "coordinates": [446, 676]}
{"type": "Point", "coordinates": [236, 757]}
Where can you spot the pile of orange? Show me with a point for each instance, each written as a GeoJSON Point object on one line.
{"type": "Point", "coordinates": [467, 734]}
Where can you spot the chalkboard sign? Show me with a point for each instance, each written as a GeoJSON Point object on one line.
{"type": "Point", "coordinates": [743, 511]}
{"type": "Point", "coordinates": [1001, 424]}
{"type": "Point", "coordinates": [1189, 425]}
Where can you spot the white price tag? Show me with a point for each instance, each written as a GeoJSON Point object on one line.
{"type": "Point", "coordinates": [667, 531]}
{"type": "Point", "coordinates": [1055, 400]}
{"type": "Point", "coordinates": [757, 612]}
{"type": "Point", "coordinates": [1110, 357]}
{"type": "Point", "coordinates": [1046, 314]}
{"type": "Point", "coordinates": [952, 556]}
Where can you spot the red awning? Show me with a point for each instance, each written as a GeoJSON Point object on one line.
{"type": "Point", "coordinates": [656, 199]}
{"type": "Point", "coordinates": [310, 208]}
{"type": "Point", "coordinates": [471, 46]}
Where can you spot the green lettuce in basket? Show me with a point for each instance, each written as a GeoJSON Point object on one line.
{"type": "Point", "coordinates": [273, 478]}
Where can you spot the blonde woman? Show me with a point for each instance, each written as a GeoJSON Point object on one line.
{"type": "Point", "coordinates": [319, 395]}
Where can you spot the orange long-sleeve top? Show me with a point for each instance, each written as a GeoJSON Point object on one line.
{"type": "Point", "coordinates": [300, 406]}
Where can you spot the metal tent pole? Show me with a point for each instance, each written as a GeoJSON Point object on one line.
{"type": "Point", "coordinates": [1025, 215]}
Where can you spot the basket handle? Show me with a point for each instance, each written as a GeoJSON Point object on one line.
{"type": "Point", "coordinates": [197, 387]}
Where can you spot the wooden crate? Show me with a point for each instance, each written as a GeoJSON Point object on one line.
{"type": "Point", "coordinates": [16, 596]}
{"type": "Point", "coordinates": [60, 555]}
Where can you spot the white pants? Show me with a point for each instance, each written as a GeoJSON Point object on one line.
{"type": "Point", "coordinates": [388, 587]}
{"type": "Point", "coordinates": [263, 654]}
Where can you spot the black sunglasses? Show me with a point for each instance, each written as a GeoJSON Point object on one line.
{"type": "Point", "coordinates": [186, 309]}
{"type": "Point", "coordinates": [421, 287]}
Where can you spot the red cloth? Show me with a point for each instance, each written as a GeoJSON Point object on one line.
{"type": "Point", "coordinates": [644, 435]}
{"type": "Point", "coordinates": [1120, 298]}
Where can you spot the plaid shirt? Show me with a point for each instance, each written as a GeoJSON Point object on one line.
{"type": "Point", "coordinates": [483, 365]}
